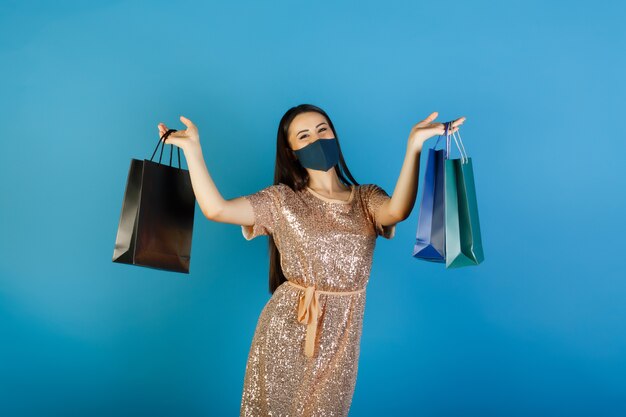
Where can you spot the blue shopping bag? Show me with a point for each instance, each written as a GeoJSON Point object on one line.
{"type": "Point", "coordinates": [430, 238]}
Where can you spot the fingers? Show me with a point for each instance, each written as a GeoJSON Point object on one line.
{"type": "Point", "coordinates": [454, 125]}
{"type": "Point", "coordinates": [162, 129]}
{"type": "Point", "coordinates": [186, 121]}
{"type": "Point", "coordinates": [427, 120]}
{"type": "Point", "coordinates": [458, 122]}
{"type": "Point", "coordinates": [451, 128]}
{"type": "Point", "coordinates": [172, 138]}
{"type": "Point", "coordinates": [178, 134]}
{"type": "Point", "coordinates": [441, 128]}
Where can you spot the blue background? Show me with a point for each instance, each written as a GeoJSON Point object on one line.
{"type": "Point", "coordinates": [537, 329]}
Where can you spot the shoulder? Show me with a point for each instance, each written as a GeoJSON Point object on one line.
{"type": "Point", "coordinates": [369, 190]}
{"type": "Point", "coordinates": [275, 189]}
{"type": "Point", "coordinates": [373, 196]}
{"type": "Point", "coordinates": [275, 192]}
{"type": "Point", "coordinates": [280, 190]}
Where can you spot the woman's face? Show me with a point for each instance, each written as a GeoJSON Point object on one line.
{"type": "Point", "coordinates": [307, 128]}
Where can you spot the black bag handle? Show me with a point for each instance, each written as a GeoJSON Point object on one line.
{"type": "Point", "coordinates": [162, 141]}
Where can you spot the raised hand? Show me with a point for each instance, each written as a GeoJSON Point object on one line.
{"type": "Point", "coordinates": [184, 139]}
{"type": "Point", "coordinates": [426, 129]}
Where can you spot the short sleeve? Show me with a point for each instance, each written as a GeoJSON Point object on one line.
{"type": "Point", "coordinates": [375, 196]}
{"type": "Point", "coordinates": [265, 204]}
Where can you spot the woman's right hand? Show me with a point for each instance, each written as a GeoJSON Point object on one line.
{"type": "Point", "coordinates": [184, 139]}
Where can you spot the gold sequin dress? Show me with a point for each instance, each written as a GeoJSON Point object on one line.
{"type": "Point", "coordinates": [304, 355]}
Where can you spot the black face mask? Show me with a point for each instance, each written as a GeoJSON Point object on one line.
{"type": "Point", "coordinates": [322, 154]}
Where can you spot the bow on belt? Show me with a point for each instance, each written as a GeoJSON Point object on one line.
{"type": "Point", "coordinates": [309, 311]}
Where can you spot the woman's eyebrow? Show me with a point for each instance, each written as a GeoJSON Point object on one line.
{"type": "Point", "coordinates": [308, 129]}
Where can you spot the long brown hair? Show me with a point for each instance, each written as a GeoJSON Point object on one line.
{"type": "Point", "coordinates": [289, 171]}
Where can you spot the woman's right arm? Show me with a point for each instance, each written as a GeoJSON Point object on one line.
{"type": "Point", "coordinates": [214, 207]}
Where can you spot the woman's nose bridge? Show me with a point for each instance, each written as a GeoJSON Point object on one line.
{"type": "Point", "coordinates": [314, 137]}
{"type": "Point", "coordinates": [318, 138]}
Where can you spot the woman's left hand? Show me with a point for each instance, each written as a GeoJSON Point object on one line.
{"type": "Point", "coordinates": [184, 139]}
{"type": "Point", "coordinates": [426, 129]}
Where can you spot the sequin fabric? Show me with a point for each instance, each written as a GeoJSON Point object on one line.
{"type": "Point", "coordinates": [327, 244]}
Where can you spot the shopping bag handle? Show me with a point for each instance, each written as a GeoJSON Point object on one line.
{"type": "Point", "coordinates": [459, 145]}
{"type": "Point", "coordinates": [446, 125]}
{"type": "Point", "coordinates": [463, 152]}
{"type": "Point", "coordinates": [458, 142]}
{"type": "Point", "coordinates": [162, 141]}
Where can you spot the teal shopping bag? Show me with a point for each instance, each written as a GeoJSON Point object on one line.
{"type": "Point", "coordinates": [463, 238]}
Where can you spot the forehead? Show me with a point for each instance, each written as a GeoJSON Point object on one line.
{"type": "Point", "coordinates": [308, 120]}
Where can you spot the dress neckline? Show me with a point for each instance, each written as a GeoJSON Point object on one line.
{"type": "Point", "coordinates": [332, 200]}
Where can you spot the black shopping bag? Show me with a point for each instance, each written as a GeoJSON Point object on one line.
{"type": "Point", "coordinates": [156, 223]}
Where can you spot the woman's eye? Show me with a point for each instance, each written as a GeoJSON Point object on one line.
{"type": "Point", "coordinates": [305, 135]}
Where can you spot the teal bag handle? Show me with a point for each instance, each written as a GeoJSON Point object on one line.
{"type": "Point", "coordinates": [459, 145]}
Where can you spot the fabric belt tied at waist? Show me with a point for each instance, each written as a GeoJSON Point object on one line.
{"type": "Point", "coordinates": [309, 311]}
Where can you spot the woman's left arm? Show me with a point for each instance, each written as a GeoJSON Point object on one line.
{"type": "Point", "coordinates": [400, 205]}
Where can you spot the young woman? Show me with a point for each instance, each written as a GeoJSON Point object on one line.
{"type": "Point", "coordinates": [321, 226]}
